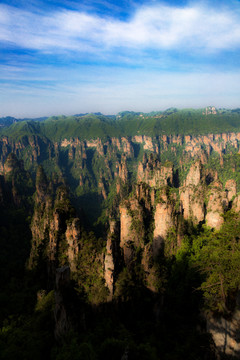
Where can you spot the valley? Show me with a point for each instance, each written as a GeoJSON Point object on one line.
{"type": "Point", "coordinates": [121, 235]}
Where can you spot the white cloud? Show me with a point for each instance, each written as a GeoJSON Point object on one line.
{"type": "Point", "coordinates": [191, 28]}
{"type": "Point", "coordinates": [31, 86]}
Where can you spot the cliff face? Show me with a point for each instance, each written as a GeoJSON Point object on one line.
{"type": "Point", "coordinates": [153, 173]}
{"type": "Point", "coordinates": [32, 149]}
{"type": "Point", "coordinates": [204, 201]}
{"type": "Point", "coordinates": [225, 334]}
{"type": "Point", "coordinates": [83, 161]}
{"type": "Point", "coordinates": [161, 198]}
{"type": "Point", "coordinates": [16, 183]}
{"type": "Point", "coordinates": [132, 229]}
{"type": "Point", "coordinates": [113, 259]}
{"type": "Point", "coordinates": [149, 203]}
{"type": "Point", "coordinates": [152, 217]}
{"type": "Point", "coordinates": [216, 206]}
{"type": "Point", "coordinates": [145, 217]}
{"type": "Point", "coordinates": [164, 220]}
{"type": "Point", "coordinates": [192, 194]}
{"type": "Point", "coordinates": [55, 230]}
{"type": "Point", "coordinates": [72, 237]}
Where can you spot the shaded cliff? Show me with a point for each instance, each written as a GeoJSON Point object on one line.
{"type": "Point", "coordinates": [156, 240]}
{"type": "Point", "coordinates": [51, 213]}
{"type": "Point", "coordinates": [96, 169]}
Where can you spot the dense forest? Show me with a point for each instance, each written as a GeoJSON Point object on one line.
{"type": "Point", "coordinates": [120, 236]}
{"type": "Point", "coordinates": [127, 123]}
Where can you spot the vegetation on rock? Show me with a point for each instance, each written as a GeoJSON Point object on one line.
{"type": "Point", "coordinates": [118, 234]}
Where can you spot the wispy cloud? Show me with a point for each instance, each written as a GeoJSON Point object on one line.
{"type": "Point", "coordinates": [160, 27]}
{"type": "Point", "coordinates": [112, 90]}
{"type": "Point", "coordinates": [73, 59]}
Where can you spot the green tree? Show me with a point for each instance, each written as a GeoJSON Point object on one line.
{"type": "Point", "coordinates": [217, 255]}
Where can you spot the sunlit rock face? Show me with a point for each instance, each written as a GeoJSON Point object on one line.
{"type": "Point", "coordinates": [231, 189]}
{"type": "Point", "coordinates": [131, 228]}
{"type": "Point", "coordinates": [163, 221]}
{"type": "Point", "coordinates": [236, 204]}
{"type": "Point", "coordinates": [194, 176]}
{"type": "Point", "coordinates": [192, 202]}
{"type": "Point", "coordinates": [153, 173]}
{"type": "Point", "coordinates": [217, 204]}
{"type": "Point", "coordinates": [226, 334]}
{"type": "Point", "coordinates": [112, 256]}
{"type": "Point", "coordinates": [192, 194]}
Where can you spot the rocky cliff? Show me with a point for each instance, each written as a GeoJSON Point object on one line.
{"type": "Point", "coordinates": [55, 227]}
{"type": "Point", "coordinates": [143, 196]}
{"type": "Point", "coordinates": [97, 163]}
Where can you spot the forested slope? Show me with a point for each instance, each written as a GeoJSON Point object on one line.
{"type": "Point", "coordinates": [120, 236]}
{"type": "Point", "coordinates": [91, 126]}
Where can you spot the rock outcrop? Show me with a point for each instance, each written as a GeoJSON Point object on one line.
{"type": "Point", "coordinates": [55, 228]}
{"type": "Point", "coordinates": [131, 228]}
{"type": "Point", "coordinates": [153, 173]}
{"type": "Point", "coordinates": [163, 221]}
{"type": "Point", "coordinates": [116, 156]}
{"type": "Point", "coordinates": [226, 334]}
{"type": "Point", "coordinates": [231, 189]}
{"type": "Point", "coordinates": [112, 260]}
{"type": "Point", "coordinates": [217, 204]}
{"type": "Point", "coordinates": [236, 204]}
{"type": "Point", "coordinates": [192, 194]}
{"type": "Point", "coordinates": [194, 176]}
{"type": "Point", "coordinates": [192, 202]}
{"type": "Point", "coordinates": [72, 236]}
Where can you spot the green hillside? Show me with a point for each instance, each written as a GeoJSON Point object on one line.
{"type": "Point", "coordinates": [90, 126]}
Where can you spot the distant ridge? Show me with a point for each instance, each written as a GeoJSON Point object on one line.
{"type": "Point", "coordinates": [9, 120]}
{"type": "Point", "coordinates": [125, 124]}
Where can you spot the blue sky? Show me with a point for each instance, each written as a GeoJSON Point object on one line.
{"type": "Point", "coordinates": [68, 56]}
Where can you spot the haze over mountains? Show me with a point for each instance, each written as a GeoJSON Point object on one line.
{"type": "Point", "coordinates": [9, 120]}
{"type": "Point", "coordinates": [126, 123]}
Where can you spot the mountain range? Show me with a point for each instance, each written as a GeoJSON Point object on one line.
{"type": "Point", "coordinates": [120, 236]}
